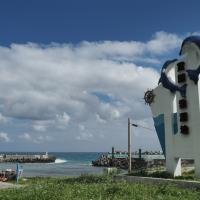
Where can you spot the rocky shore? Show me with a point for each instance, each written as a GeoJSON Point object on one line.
{"type": "Point", "coordinates": [122, 163]}
{"type": "Point", "coordinates": [137, 163]}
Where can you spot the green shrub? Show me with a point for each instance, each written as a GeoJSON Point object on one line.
{"type": "Point", "coordinates": [89, 179]}
{"type": "Point", "coordinates": [160, 174]}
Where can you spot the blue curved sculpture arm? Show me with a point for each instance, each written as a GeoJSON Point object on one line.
{"type": "Point", "coordinates": [164, 67]}
{"type": "Point", "coordinates": [166, 83]}
{"type": "Point", "coordinates": [194, 74]}
{"type": "Point", "coordinates": [167, 63]}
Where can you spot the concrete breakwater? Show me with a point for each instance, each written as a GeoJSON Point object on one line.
{"type": "Point", "coordinates": [137, 163]}
{"type": "Point", "coordinates": [122, 163]}
{"type": "Point", "coordinates": [27, 158]}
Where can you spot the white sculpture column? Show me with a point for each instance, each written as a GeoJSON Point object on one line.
{"type": "Point", "coordinates": [173, 166]}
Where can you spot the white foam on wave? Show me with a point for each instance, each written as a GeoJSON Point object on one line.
{"type": "Point", "coordinates": [59, 161]}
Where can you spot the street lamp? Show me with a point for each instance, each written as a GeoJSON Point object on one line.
{"type": "Point", "coordinates": [129, 141]}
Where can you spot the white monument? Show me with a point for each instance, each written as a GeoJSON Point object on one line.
{"type": "Point", "coordinates": [175, 107]}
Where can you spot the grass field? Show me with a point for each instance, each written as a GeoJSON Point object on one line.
{"type": "Point", "coordinates": [93, 188]}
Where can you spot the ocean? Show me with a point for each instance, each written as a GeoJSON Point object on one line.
{"type": "Point", "coordinates": [66, 164]}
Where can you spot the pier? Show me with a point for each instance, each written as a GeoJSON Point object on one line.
{"type": "Point", "coordinates": [27, 158]}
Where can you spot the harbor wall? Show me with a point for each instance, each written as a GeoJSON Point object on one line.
{"type": "Point", "coordinates": [27, 158]}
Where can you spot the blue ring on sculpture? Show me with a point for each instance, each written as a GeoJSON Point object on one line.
{"type": "Point", "coordinates": [166, 83]}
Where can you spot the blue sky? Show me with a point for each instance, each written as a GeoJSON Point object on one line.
{"type": "Point", "coordinates": [72, 72]}
{"type": "Point", "coordinates": [93, 20]}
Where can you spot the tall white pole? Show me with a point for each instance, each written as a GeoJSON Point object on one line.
{"type": "Point", "coordinates": [129, 145]}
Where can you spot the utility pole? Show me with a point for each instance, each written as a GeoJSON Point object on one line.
{"type": "Point", "coordinates": [129, 146]}
{"type": "Point", "coordinates": [129, 142]}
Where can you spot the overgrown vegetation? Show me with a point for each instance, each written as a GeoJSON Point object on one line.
{"type": "Point", "coordinates": [155, 174]}
{"type": "Point", "coordinates": [93, 188]}
{"type": "Point", "coordinates": [164, 174]}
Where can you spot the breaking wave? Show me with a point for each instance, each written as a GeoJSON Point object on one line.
{"type": "Point", "coordinates": [59, 161]}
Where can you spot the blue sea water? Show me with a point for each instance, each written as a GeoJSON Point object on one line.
{"type": "Point", "coordinates": [66, 164]}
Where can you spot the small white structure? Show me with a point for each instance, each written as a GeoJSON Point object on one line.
{"type": "Point", "coordinates": [175, 107]}
{"type": "Point", "coordinates": [45, 156]}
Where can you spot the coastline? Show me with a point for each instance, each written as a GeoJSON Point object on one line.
{"type": "Point", "coordinates": [66, 164]}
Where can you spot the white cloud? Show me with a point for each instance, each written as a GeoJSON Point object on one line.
{"type": "Point", "coordinates": [35, 138]}
{"type": "Point", "coordinates": [41, 139]}
{"type": "Point", "coordinates": [99, 119]}
{"type": "Point", "coordinates": [39, 127]}
{"type": "Point", "coordinates": [25, 136]}
{"type": "Point", "coordinates": [4, 137]}
{"type": "Point", "coordinates": [84, 136]}
{"type": "Point", "coordinates": [52, 87]}
{"type": "Point", "coordinates": [3, 119]}
{"type": "Point", "coordinates": [42, 125]}
{"type": "Point", "coordinates": [63, 119]}
{"type": "Point", "coordinates": [84, 133]}
{"type": "Point", "coordinates": [163, 42]}
{"type": "Point", "coordinates": [81, 127]}
{"type": "Point", "coordinates": [44, 83]}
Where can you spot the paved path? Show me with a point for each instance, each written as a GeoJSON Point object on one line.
{"type": "Point", "coordinates": [4, 185]}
